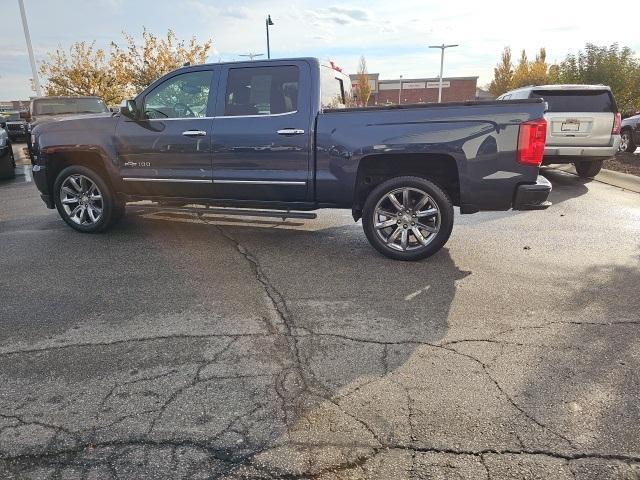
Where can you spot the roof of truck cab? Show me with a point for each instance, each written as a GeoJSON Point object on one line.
{"type": "Point", "coordinates": [65, 97]}
{"type": "Point", "coordinates": [261, 60]}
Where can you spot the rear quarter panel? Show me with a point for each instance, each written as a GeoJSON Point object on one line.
{"type": "Point", "coordinates": [481, 138]}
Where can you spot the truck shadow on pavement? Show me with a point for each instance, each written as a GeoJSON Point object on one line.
{"type": "Point", "coordinates": [237, 347]}
{"type": "Point", "coordinates": [582, 399]}
{"type": "Point", "coordinates": [565, 185]}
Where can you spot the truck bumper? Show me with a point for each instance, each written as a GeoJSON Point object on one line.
{"type": "Point", "coordinates": [569, 154]}
{"type": "Point", "coordinates": [533, 196]}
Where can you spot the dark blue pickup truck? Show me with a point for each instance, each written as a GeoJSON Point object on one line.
{"type": "Point", "coordinates": [277, 137]}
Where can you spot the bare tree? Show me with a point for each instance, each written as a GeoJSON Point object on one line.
{"type": "Point", "coordinates": [364, 88]}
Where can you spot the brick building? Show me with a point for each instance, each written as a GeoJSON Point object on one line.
{"type": "Point", "coordinates": [19, 105]}
{"type": "Point", "coordinates": [418, 90]}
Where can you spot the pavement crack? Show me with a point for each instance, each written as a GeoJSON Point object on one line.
{"type": "Point", "coordinates": [196, 378]}
{"type": "Point", "coordinates": [285, 326]}
{"type": "Point", "coordinates": [484, 367]}
{"type": "Point", "coordinates": [176, 336]}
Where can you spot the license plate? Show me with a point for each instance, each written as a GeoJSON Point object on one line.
{"type": "Point", "coordinates": [570, 126]}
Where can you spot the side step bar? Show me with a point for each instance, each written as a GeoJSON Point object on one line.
{"type": "Point", "coordinates": [241, 212]}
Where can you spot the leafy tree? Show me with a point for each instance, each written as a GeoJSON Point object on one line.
{"type": "Point", "coordinates": [614, 66]}
{"type": "Point", "coordinates": [502, 74]}
{"type": "Point", "coordinates": [364, 88]}
{"type": "Point", "coordinates": [138, 66]}
{"type": "Point", "coordinates": [123, 71]}
{"type": "Point", "coordinates": [539, 69]}
{"type": "Point", "coordinates": [522, 72]}
{"type": "Point", "coordinates": [525, 73]}
{"type": "Point", "coordinates": [84, 70]}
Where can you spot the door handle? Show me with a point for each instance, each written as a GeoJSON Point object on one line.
{"type": "Point", "coordinates": [194, 133]}
{"type": "Point", "coordinates": [291, 131]}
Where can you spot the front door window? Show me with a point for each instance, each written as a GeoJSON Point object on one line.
{"type": "Point", "coordinates": [183, 96]}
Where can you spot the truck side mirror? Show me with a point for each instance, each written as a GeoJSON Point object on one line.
{"type": "Point", "coordinates": [129, 109]}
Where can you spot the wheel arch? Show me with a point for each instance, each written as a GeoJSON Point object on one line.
{"type": "Point", "coordinates": [91, 159]}
{"type": "Point", "coordinates": [440, 169]}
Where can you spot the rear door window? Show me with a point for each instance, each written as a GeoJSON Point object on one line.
{"type": "Point", "coordinates": [332, 92]}
{"type": "Point", "coordinates": [261, 91]}
{"type": "Point", "coordinates": [577, 100]}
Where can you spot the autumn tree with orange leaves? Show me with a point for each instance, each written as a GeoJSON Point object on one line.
{"type": "Point", "coordinates": [122, 71]}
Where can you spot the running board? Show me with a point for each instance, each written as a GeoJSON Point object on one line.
{"type": "Point", "coordinates": [241, 212]}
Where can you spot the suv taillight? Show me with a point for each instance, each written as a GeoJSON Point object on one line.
{"type": "Point", "coordinates": [531, 140]}
{"type": "Point", "coordinates": [617, 121]}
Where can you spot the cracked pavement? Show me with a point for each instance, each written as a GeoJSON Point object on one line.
{"type": "Point", "coordinates": [198, 346]}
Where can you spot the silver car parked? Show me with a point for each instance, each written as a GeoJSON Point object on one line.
{"type": "Point", "coordinates": [583, 124]}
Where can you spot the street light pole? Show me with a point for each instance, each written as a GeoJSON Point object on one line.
{"type": "Point", "coordinates": [442, 49]}
{"type": "Point", "coordinates": [268, 22]}
{"type": "Point", "coordinates": [400, 91]}
{"type": "Point", "coordinates": [27, 36]}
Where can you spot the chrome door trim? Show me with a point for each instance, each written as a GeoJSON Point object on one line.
{"type": "Point", "coordinates": [169, 180]}
{"type": "Point", "coordinates": [264, 115]}
{"type": "Point", "coordinates": [219, 116]}
{"type": "Point", "coordinates": [260, 182]}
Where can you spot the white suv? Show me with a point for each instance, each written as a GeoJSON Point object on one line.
{"type": "Point", "coordinates": [583, 124]}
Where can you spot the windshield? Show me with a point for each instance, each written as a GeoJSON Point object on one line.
{"type": "Point", "coordinates": [61, 106]}
{"type": "Point", "coordinates": [577, 100]}
{"type": "Point", "coordinates": [10, 116]}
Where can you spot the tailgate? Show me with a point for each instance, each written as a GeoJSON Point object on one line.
{"type": "Point", "coordinates": [579, 117]}
{"type": "Point", "coordinates": [576, 128]}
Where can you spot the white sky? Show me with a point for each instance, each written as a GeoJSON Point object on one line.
{"type": "Point", "coordinates": [392, 35]}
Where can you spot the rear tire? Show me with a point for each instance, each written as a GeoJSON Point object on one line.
{"type": "Point", "coordinates": [85, 201]}
{"type": "Point", "coordinates": [588, 169]}
{"type": "Point", "coordinates": [407, 218]}
{"type": "Point", "coordinates": [8, 171]}
{"type": "Point", "coordinates": [626, 142]}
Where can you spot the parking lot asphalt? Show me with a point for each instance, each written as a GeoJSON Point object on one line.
{"type": "Point", "coordinates": [186, 346]}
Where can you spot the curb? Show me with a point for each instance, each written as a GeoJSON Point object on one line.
{"type": "Point", "coordinates": [617, 179]}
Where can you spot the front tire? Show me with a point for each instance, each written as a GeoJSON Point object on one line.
{"type": "Point", "coordinates": [407, 218]}
{"type": "Point", "coordinates": [85, 201]}
{"type": "Point", "coordinates": [588, 169]}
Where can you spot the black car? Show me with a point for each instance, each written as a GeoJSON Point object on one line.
{"type": "Point", "coordinates": [630, 134]}
{"type": "Point", "coordinates": [17, 127]}
{"type": "Point", "coordinates": [7, 162]}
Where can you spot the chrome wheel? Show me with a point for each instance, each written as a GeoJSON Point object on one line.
{"type": "Point", "coordinates": [81, 200]}
{"type": "Point", "coordinates": [406, 219]}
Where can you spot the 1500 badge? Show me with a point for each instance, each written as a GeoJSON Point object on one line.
{"type": "Point", "coordinates": [137, 164]}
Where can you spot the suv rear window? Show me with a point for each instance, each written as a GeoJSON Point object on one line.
{"type": "Point", "coordinates": [577, 100]}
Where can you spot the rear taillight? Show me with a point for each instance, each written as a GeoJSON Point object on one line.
{"type": "Point", "coordinates": [617, 121]}
{"type": "Point", "coordinates": [531, 140]}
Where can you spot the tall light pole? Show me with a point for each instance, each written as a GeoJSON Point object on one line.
{"type": "Point", "coordinates": [251, 55]}
{"type": "Point", "coordinates": [27, 36]}
{"type": "Point", "coordinates": [442, 49]}
{"type": "Point", "coordinates": [400, 91]}
{"type": "Point", "coordinates": [268, 22]}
